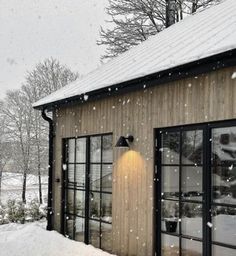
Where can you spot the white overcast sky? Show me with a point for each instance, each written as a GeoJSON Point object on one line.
{"type": "Point", "coordinates": [32, 30]}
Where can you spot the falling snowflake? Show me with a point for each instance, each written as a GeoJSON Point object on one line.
{"type": "Point", "coordinates": [233, 75]}
{"type": "Point", "coordinates": [209, 224]}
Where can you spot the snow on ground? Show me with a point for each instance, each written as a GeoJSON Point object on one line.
{"type": "Point", "coordinates": [33, 240]}
{"type": "Point", "coordinates": [12, 187]}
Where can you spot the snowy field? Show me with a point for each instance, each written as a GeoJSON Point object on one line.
{"type": "Point", "coordinates": [33, 240]}
{"type": "Point", "coordinates": [12, 187]}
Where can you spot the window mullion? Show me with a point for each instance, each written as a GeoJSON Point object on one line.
{"type": "Point", "coordinates": [100, 231]}
{"type": "Point", "coordinates": [180, 191]}
{"type": "Point", "coordinates": [207, 190]}
{"type": "Point", "coordinates": [87, 191]}
{"type": "Point", "coordinates": [158, 177]}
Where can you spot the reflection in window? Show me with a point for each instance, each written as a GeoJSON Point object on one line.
{"type": "Point", "coordinates": [95, 177]}
{"type": "Point", "coordinates": [191, 248]}
{"type": "Point", "coordinates": [192, 182]}
{"type": "Point", "coordinates": [106, 211]}
{"type": "Point", "coordinates": [71, 173]}
{"type": "Point", "coordinates": [191, 221]}
{"type": "Point", "coordinates": [79, 229]}
{"type": "Point", "coordinates": [70, 201]}
{"type": "Point", "coordinates": [94, 233]}
{"type": "Point", "coordinates": [224, 164]}
{"type": "Point", "coordinates": [224, 224]}
{"type": "Point", "coordinates": [70, 226]}
{"type": "Point", "coordinates": [106, 178]}
{"type": "Point", "coordinates": [95, 149]}
{"type": "Point", "coordinates": [106, 237]}
{"type": "Point", "coordinates": [88, 190]}
{"type": "Point", "coordinates": [170, 147]}
{"type": "Point", "coordinates": [107, 153]}
{"type": "Point", "coordinates": [185, 208]}
{"type": "Point", "coordinates": [100, 208]}
{"type": "Point", "coordinates": [81, 150]}
{"type": "Point", "coordinates": [170, 216]}
{"type": "Point", "coordinates": [170, 182]}
{"type": "Point", "coordinates": [80, 176]}
{"type": "Point", "coordinates": [94, 210]}
{"type": "Point", "coordinates": [192, 147]}
{"type": "Point", "coordinates": [80, 202]}
{"type": "Point", "coordinates": [181, 187]}
{"type": "Point", "coordinates": [169, 245]}
{"type": "Point", "coordinates": [219, 251]}
{"type": "Point", "coordinates": [224, 146]}
{"type": "Point", "coordinates": [71, 151]}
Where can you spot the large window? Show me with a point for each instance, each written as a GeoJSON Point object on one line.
{"type": "Point", "coordinates": [196, 190]}
{"type": "Point", "coordinates": [87, 171]}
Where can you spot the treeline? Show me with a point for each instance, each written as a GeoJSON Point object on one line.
{"type": "Point", "coordinates": [23, 132]}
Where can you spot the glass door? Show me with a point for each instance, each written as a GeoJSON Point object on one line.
{"type": "Point", "coordinates": [195, 191]}
{"type": "Point", "coordinates": [223, 206]}
{"type": "Point", "coordinates": [181, 192]}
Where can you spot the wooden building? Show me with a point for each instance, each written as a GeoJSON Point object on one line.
{"type": "Point", "coordinates": [172, 189]}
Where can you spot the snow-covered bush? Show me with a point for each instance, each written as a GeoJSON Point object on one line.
{"type": "Point", "coordinates": [18, 212]}
{"type": "Point", "coordinates": [15, 211]}
{"type": "Point", "coordinates": [35, 211]}
{"type": "Point", "coordinates": [3, 218]}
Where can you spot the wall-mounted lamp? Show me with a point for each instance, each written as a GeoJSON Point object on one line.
{"type": "Point", "coordinates": [122, 142]}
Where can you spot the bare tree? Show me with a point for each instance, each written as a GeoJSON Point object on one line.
{"type": "Point", "coordinates": [24, 128]}
{"type": "Point", "coordinates": [5, 147]}
{"type": "Point", "coordinates": [133, 21]}
{"type": "Point", "coordinates": [18, 116]}
{"type": "Point", "coordinates": [47, 77]}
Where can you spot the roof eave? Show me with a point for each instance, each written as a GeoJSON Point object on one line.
{"type": "Point", "coordinates": [201, 66]}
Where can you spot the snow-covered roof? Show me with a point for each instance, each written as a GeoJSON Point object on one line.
{"type": "Point", "coordinates": [204, 34]}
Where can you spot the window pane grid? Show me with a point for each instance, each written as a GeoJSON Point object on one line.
{"type": "Point", "coordinates": [98, 187]}
{"type": "Point", "coordinates": [181, 196]}
{"type": "Point", "coordinates": [223, 189]}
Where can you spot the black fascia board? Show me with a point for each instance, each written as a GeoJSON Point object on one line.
{"type": "Point", "coordinates": [195, 68]}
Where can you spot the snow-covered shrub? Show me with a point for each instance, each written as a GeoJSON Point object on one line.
{"type": "Point", "coordinates": [18, 212]}
{"type": "Point", "coordinates": [15, 211]}
{"type": "Point", "coordinates": [3, 218]}
{"type": "Point", "coordinates": [35, 211]}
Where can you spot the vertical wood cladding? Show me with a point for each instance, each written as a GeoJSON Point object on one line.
{"type": "Point", "coordinates": [199, 99]}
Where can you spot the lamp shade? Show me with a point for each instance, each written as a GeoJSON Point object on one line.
{"type": "Point", "coordinates": [122, 143]}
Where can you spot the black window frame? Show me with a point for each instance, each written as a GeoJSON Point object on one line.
{"type": "Point", "coordinates": [207, 203]}
{"type": "Point", "coordinates": [87, 190]}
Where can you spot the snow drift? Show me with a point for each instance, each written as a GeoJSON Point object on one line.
{"type": "Point", "coordinates": [34, 240]}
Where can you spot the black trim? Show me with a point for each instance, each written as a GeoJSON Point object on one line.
{"type": "Point", "coordinates": [87, 195]}
{"type": "Point", "coordinates": [50, 170]}
{"type": "Point", "coordinates": [63, 177]}
{"type": "Point", "coordinates": [209, 64]}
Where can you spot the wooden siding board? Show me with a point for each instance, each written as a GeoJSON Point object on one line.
{"type": "Point", "coordinates": [210, 97]}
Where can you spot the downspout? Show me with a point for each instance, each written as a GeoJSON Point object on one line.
{"type": "Point", "coordinates": [50, 170]}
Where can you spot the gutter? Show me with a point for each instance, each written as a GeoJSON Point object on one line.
{"type": "Point", "coordinates": [50, 170]}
